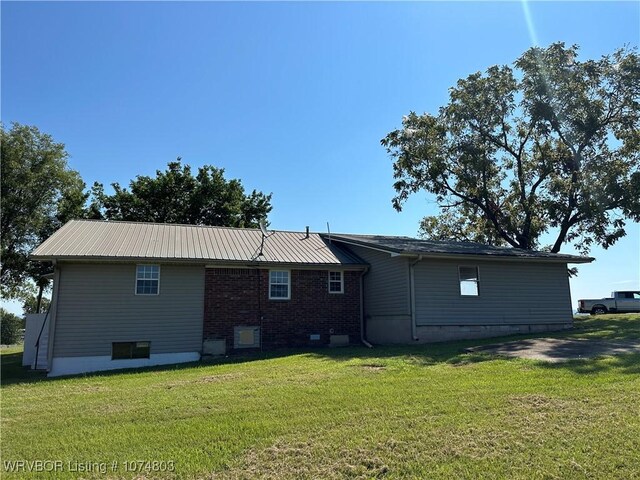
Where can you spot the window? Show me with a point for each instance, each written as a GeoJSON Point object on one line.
{"type": "Point", "coordinates": [129, 350]}
{"type": "Point", "coordinates": [336, 284]}
{"type": "Point", "coordinates": [279, 287]}
{"type": "Point", "coordinates": [147, 279]}
{"type": "Point", "coordinates": [468, 281]}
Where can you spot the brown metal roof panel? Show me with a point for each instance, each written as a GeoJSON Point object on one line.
{"type": "Point", "coordinates": [111, 241]}
{"type": "Point", "coordinates": [95, 239]}
{"type": "Point", "coordinates": [73, 238]}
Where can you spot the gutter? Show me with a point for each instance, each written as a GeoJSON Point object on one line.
{"type": "Point", "coordinates": [412, 291]}
{"type": "Point", "coordinates": [500, 258]}
{"type": "Point", "coordinates": [363, 338]}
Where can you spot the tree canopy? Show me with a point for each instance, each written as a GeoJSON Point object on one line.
{"type": "Point", "coordinates": [548, 146]}
{"type": "Point", "coordinates": [177, 196]}
{"type": "Point", "coordinates": [39, 194]}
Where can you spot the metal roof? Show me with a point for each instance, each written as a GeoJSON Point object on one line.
{"type": "Point", "coordinates": [415, 247]}
{"type": "Point", "coordinates": [110, 240]}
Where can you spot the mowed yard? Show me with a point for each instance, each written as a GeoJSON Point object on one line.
{"type": "Point", "coordinates": [427, 411]}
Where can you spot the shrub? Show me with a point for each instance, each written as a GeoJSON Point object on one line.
{"type": "Point", "coordinates": [10, 325]}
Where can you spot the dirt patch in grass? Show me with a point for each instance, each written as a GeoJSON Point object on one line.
{"type": "Point", "coordinates": [373, 367]}
{"type": "Point", "coordinates": [536, 402]}
{"type": "Point", "coordinates": [308, 459]}
{"type": "Point", "coordinates": [207, 379]}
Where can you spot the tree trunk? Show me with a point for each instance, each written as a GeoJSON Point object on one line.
{"type": "Point", "coordinates": [39, 302]}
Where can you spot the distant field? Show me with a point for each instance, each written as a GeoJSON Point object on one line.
{"type": "Point", "coordinates": [424, 412]}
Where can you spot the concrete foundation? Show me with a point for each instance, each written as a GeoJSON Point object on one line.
{"type": "Point", "coordinates": [396, 330]}
{"type": "Point", "coordinates": [445, 333]}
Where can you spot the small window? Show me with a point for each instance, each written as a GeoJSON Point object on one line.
{"type": "Point", "coordinates": [468, 281]}
{"type": "Point", "coordinates": [147, 279]}
{"type": "Point", "coordinates": [130, 350]}
{"type": "Point", "coordinates": [279, 285]}
{"type": "Point", "coordinates": [336, 284]}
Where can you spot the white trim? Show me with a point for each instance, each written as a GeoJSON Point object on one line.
{"type": "Point", "coordinates": [288, 297]}
{"type": "Point", "coordinates": [477, 268]}
{"type": "Point", "coordinates": [74, 365]}
{"type": "Point", "coordinates": [341, 281]}
{"type": "Point", "coordinates": [135, 286]}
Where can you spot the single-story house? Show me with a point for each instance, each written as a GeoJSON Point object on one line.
{"type": "Point", "coordinates": [128, 294]}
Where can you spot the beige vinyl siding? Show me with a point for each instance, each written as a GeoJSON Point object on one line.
{"type": "Point", "coordinates": [97, 306]}
{"type": "Point", "coordinates": [510, 293]}
{"type": "Point", "coordinates": [386, 285]}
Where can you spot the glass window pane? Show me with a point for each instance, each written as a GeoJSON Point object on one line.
{"type": "Point", "coordinates": [120, 350]}
{"type": "Point", "coordinates": [468, 281]}
{"type": "Point", "coordinates": [469, 288]}
{"type": "Point", "coordinates": [279, 291]}
{"type": "Point", "coordinates": [468, 273]}
{"type": "Point", "coordinates": [278, 284]}
{"type": "Point", "coordinates": [147, 287]}
{"type": "Point", "coordinates": [140, 349]}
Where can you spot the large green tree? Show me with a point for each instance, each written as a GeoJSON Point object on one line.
{"type": "Point", "coordinates": [177, 196]}
{"type": "Point", "coordinates": [39, 194]}
{"type": "Point", "coordinates": [548, 146]}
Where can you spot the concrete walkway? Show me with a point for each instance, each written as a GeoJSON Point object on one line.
{"type": "Point", "coordinates": [560, 349]}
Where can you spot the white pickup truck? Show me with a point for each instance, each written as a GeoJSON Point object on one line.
{"type": "Point", "coordinates": [620, 302]}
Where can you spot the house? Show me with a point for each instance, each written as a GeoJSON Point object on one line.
{"type": "Point", "coordinates": [129, 294]}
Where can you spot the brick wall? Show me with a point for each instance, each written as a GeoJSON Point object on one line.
{"type": "Point", "coordinates": [236, 297]}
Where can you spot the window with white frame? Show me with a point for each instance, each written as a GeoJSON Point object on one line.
{"type": "Point", "coordinates": [279, 285]}
{"type": "Point", "coordinates": [336, 282]}
{"type": "Point", "coordinates": [469, 281]}
{"type": "Point", "coordinates": [147, 279]}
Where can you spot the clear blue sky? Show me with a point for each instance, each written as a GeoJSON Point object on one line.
{"type": "Point", "coordinates": [291, 98]}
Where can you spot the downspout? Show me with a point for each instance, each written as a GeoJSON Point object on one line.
{"type": "Point", "coordinates": [54, 314]}
{"type": "Point", "coordinates": [412, 290]}
{"type": "Point", "coordinates": [362, 324]}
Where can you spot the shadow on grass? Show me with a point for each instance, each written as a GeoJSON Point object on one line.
{"type": "Point", "coordinates": [625, 363]}
{"type": "Point", "coordinates": [607, 327]}
{"type": "Point", "coordinates": [12, 370]}
{"type": "Point", "coordinates": [424, 355]}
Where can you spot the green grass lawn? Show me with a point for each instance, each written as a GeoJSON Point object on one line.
{"type": "Point", "coordinates": [423, 412]}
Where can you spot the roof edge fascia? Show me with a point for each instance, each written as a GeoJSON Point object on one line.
{"type": "Point", "coordinates": [498, 257]}
{"type": "Point", "coordinates": [196, 261]}
{"type": "Point", "coordinates": [399, 253]}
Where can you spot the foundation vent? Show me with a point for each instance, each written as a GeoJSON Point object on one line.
{"type": "Point", "coordinates": [246, 337]}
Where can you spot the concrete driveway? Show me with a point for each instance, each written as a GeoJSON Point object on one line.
{"type": "Point", "coordinates": [560, 349]}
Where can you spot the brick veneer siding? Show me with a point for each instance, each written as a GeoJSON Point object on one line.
{"type": "Point", "coordinates": [235, 297]}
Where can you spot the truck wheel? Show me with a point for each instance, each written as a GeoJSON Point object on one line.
{"type": "Point", "coordinates": [599, 310]}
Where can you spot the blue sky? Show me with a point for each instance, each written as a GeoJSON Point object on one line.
{"type": "Point", "coordinates": [292, 98]}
